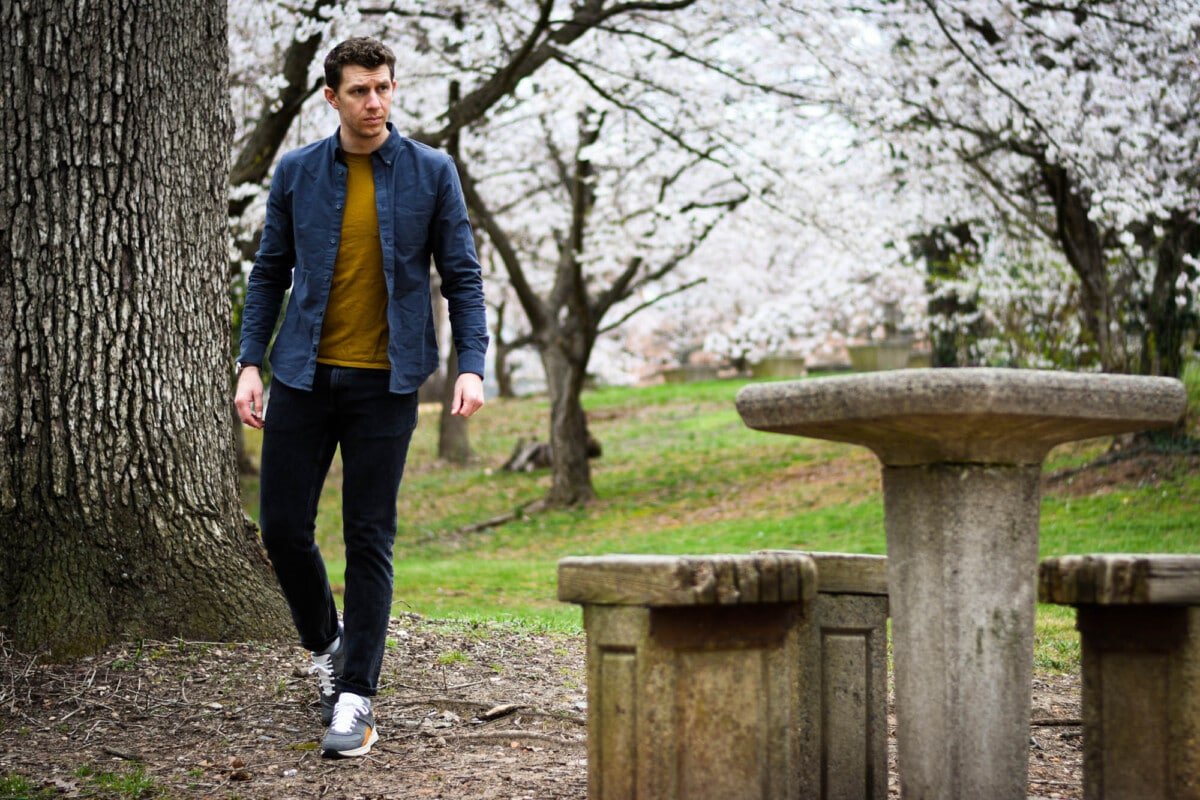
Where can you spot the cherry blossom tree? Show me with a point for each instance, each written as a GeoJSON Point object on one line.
{"type": "Point", "coordinates": [593, 170]}
{"type": "Point", "coordinates": [1076, 120]}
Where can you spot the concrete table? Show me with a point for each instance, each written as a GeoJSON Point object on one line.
{"type": "Point", "coordinates": [962, 452]}
{"type": "Point", "coordinates": [1140, 620]}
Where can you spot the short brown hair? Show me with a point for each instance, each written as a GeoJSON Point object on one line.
{"type": "Point", "coordinates": [361, 51]}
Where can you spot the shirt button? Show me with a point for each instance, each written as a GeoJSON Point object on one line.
{"type": "Point", "coordinates": [332, 240]}
{"type": "Point", "coordinates": [339, 206]}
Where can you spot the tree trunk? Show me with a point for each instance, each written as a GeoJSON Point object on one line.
{"type": "Point", "coordinates": [1166, 321]}
{"type": "Point", "coordinates": [454, 434]}
{"type": "Point", "coordinates": [504, 378]}
{"type": "Point", "coordinates": [945, 250]}
{"type": "Point", "coordinates": [454, 440]}
{"type": "Point", "coordinates": [571, 483]}
{"type": "Point", "coordinates": [1081, 242]}
{"type": "Point", "coordinates": [500, 353]}
{"type": "Point", "coordinates": [118, 488]}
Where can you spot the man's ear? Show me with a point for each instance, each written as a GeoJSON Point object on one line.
{"type": "Point", "coordinates": [331, 97]}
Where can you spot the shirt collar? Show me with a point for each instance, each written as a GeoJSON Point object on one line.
{"type": "Point", "coordinates": [387, 151]}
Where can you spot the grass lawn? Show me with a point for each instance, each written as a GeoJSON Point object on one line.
{"type": "Point", "coordinates": [681, 474]}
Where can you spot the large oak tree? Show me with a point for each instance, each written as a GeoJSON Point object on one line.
{"type": "Point", "coordinates": [119, 511]}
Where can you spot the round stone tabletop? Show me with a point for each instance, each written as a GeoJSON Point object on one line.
{"type": "Point", "coordinates": [971, 415]}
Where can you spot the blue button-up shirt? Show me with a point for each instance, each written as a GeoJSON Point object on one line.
{"type": "Point", "coordinates": [421, 213]}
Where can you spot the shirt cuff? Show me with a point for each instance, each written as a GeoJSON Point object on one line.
{"type": "Point", "coordinates": [471, 361]}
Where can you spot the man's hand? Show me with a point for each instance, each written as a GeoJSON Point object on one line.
{"type": "Point", "coordinates": [249, 397]}
{"type": "Point", "coordinates": [468, 395]}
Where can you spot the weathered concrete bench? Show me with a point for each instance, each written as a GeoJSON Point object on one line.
{"type": "Point", "coordinates": [1139, 616]}
{"type": "Point", "coordinates": [693, 673]}
{"type": "Point", "coordinates": [843, 695]}
{"type": "Point", "coordinates": [729, 676]}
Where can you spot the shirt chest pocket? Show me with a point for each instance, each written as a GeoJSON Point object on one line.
{"type": "Point", "coordinates": [412, 215]}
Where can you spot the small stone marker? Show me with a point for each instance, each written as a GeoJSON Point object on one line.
{"type": "Point", "coordinates": [843, 680]}
{"type": "Point", "coordinates": [693, 673]}
{"type": "Point", "coordinates": [962, 452]}
{"type": "Point", "coordinates": [1140, 620]}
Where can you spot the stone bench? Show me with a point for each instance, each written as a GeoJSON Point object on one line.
{"type": "Point", "coordinates": [1139, 617]}
{"type": "Point", "coordinates": [729, 677]}
{"type": "Point", "coordinates": [844, 680]}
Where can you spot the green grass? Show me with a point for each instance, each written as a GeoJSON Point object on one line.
{"type": "Point", "coordinates": [681, 474]}
{"type": "Point", "coordinates": [15, 787]}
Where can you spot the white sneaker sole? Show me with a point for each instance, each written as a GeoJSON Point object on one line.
{"type": "Point", "coordinates": [357, 751]}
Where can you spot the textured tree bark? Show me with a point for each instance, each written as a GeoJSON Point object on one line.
{"type": "Point", "coordinates": [1167, 322]}
{"type": "Point", "coordinates": [1080, 240]}
{"type": "Point", "coordinates": [571, 483]}
{"type": "Point", "coordinates": [502, 368]}
{"type": "Point", "coordinates": [119, 505]}
{"type": "Point", "coordinates": [454, 436]}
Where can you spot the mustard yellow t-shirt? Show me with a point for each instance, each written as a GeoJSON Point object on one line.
{"type": "Point", "coordinates": [355, 331]}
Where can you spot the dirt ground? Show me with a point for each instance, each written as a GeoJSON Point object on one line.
{"type": "Point", "coordinates": [465, 713]}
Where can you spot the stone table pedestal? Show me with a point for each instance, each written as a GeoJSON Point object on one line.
{"type": "Point", "coordinates": [962, 451]}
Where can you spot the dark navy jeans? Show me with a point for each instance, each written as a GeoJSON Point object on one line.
{"type": "Point", "coordinates": [351, 409]}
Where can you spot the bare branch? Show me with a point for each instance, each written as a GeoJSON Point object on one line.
{"type": "Point", "coordinates": [643, 306]}
{"type": "Point", "coordinates": [636, 110]}
{"type": "Point", "coordinates": [675, 52]}
{"type": "Point", "coordinates": [588, 14]}
{"type": "Point", "coordinates": [257, 155]}
{"type": "Point", "coordinates": [535, 309]}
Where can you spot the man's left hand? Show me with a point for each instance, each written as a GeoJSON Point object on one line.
{"type": "Point", "coordinates": [468, 395]}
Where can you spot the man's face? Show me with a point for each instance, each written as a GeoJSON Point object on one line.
{"type": "Point", "coordinates": [363, 102]}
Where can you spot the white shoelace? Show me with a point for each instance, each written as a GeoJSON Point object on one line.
{"type": "Point", "coordinates": [348, 707]}
{"type": "Point", "coordinates": [322, 667]}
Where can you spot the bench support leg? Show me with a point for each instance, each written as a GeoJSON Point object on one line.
{"type": "Point", "coordinates": [1141, 702]}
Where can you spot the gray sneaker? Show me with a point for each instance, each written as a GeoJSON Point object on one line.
{"type": "Point", "coordinates": [328, 667]}
{"type": "Point", "coordinates": [353, 729]}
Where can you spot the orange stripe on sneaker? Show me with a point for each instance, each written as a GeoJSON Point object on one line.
{"type": "Point", "coordinates": [367, 736]}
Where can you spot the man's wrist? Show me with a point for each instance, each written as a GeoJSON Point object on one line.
{"type": "Point", "coordinates": [241, 366]}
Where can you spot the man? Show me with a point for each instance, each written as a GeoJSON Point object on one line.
{"type": "Point", "coordinates": [351, 224]}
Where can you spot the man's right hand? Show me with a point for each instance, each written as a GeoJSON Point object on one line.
{"type": "Point", "coordinates": [249, 397]}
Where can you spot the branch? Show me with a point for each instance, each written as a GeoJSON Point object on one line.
{"type": "Point", "coordinates": [588, 14]}
{"type": "Point", "coordinates": [675, 52]}
{"type": "Point", "coordinates": [524, 62]}
{"type": "Point", "coordinates": [535, 309]}
{"type": "Point", "coordinates": [643, 306]}
{"type": "Point", "coordinates": [1006, 197]}
{"type": "Point", "coordinates": [625, 285]}
{"type": "Point", "coordinates": [1086, 9]}
{"type": "Point", "coordinates": [636, 110]}
{"type": "Point", "coordinates": [931, 5]}
{"type": "Point", "coordinates": [560, 164]}
{"type": "Point", "coordinates": [569, 285]}
{"type": "Point", "coordinates": [378, 11]}
{"type": "Point", "coordinates": [258, 153]}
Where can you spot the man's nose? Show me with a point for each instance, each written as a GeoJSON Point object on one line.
{"type": "Point", "coordinates": [374, 100]}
